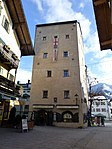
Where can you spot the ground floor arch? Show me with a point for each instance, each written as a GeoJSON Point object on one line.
{"type": "Point", "coordinates": [43, 117]}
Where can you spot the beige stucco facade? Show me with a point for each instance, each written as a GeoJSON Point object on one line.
{"type": "Point", "coordinates": [58, 75]}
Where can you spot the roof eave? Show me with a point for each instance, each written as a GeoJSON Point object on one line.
{"type": "Point", "coordinates": [20, 25]}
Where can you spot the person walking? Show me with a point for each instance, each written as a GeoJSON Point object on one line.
{"type": "Point", "coordinates": [102, 121]}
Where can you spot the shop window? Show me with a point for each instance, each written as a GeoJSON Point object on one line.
{"type": "Point", "coordinates": [67, 117]}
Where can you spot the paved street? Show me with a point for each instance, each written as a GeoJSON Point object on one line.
{"type": "Point", "coordinates": [57, 138]}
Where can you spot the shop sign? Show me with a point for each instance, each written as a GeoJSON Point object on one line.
{"type": "Point", "coordinates": [24, 124]}
{"type": "Point", "coordinates": [67, 107]}
{"type": "Point", "coordinates": [43, 107]}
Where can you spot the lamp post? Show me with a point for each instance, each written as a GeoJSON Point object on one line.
{"type": "Point", "coordinates": [76, 97]}
{"type": "Point", "coordinates": [91, 100]}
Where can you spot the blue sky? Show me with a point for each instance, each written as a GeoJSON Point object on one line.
{"type": "Point", "coordinates": [46, 11]}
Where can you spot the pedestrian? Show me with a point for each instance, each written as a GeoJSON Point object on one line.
{"type": "Point", "coordinates": [102, 121]}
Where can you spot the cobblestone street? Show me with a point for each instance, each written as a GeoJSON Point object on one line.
{"type": "Point", "coordinates": [57, 138]}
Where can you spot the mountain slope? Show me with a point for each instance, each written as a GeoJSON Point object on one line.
{"type": "Point", "coordinates": [102, 89]}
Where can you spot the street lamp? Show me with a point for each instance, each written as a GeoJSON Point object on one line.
{"type": "Point", "coordinates": [76, 97]}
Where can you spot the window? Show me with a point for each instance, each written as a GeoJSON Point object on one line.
{"type": "Point", "coordinates": [49, 73]}
{"type": "Point", "coordinates": [93, 110]}
{"type": "Point", "coordinates": [45, 94]}
{"type": "Point", "coordinates": [66, 94]}
{"type": "Point", "coordinates": [103, 110]}
{"type": "Point", "coordinates": [67, 36]}
{"type": "Point", "coordinates": [55, 36]}
{"type": "Point", "coordinates": [55, 41]}
{"type": "Point", "coordinates": [1, 70]}
{"type": "Point", "coordinates": [97, 110]}
{"type": "Point", "coordinates": [111, 111]}
{"type": "Point", "coordinates": [44, 38]}
{"type": "Point", "coordinates": [102, 103]}
{"type": "Point", "coordinates": [45, 55]}
{"type": "Point", "coordinates": [97, 104]}
{"type": "Point", "coordinates": [67, 117]}
{"type": "Point", "coordinates": [11, 77]}
{"type": "Point", "coordinates": [5, 24]}
{"type": "Point", "coordinates": [66, 73]}
{"type": "Point", "coordinates": [65, 54]}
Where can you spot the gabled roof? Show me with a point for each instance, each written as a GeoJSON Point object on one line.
{"type": "Point", "coordinates": [102, 9]}
{"type": "Point", "coordinates": [20, 25]}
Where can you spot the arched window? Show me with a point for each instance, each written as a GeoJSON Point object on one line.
{"type": "Point", "coordinates": [67, 117]}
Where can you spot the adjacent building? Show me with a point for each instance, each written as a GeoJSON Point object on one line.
{"type": "Point", "coordinates": [59, 90]}
{"type": "Point", "coordinates": [15, 42]}
{"type": "Point", "coordinates": [23, 107]}
{"type": "Point", "coordinates": [100, 106]}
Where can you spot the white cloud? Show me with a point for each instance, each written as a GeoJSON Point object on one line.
{"type": "Point", "coordinates": [39, 4]}
{"type": "Point", "coordinates": [62, 10]}
{"type": "Point", "coordinates": [103, 70]}
{"type": "Point", "coordinates": [23, 76]}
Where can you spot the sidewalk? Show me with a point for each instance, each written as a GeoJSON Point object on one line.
{"type": "Point", "coordinates": [57, 138]}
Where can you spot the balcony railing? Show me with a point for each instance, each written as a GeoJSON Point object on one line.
{"type": "Point", "coordinates": [8, 86]}
{"type": "Point", "coordinates": [8, 57]}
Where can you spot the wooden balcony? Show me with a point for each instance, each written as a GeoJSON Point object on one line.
{"type": "Point", "coordinates": [8, 86]}
{"type": "Point", "coordinates": [7, 57]}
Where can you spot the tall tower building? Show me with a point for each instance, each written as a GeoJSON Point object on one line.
{"type": "Point", "coordinates": [59, 91]}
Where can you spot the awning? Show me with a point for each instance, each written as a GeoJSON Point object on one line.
{"type": "Point", "coordinates": [67, 107]}
{"type": "Point", "coordinates": [100, 115]}
{"type": "Point", "coordinates": [42, 106]}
